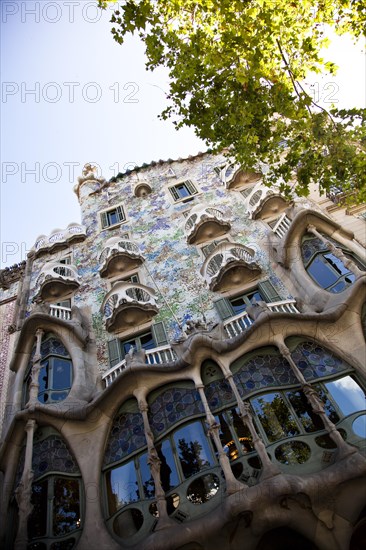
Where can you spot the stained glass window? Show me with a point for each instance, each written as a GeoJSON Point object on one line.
{"type": "Point", "coordinates": [126, 436]}
{"type": "Point", "coordinates": [314, 361]}
{"type": "Point", "coordinates": [173, 405]}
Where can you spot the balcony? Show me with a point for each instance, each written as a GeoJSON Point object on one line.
{"type": "Point", "coordinates": [119, 255]}
{"type": "Point", "coordinates": [60, 312]}
{"type": "Point", "coordinates": [141, 188]}
{"type": "Point", "coordinates": [127, 305]}
{"type": "Point", "coordinates": [265, 202]}
{"type": "Point", "coordinates": [60, 238]}
{"type": "Point", "coordinates": [241, 322]}
{"type": "Point", "coordinates": [206, 224]}
{"type": "Point", "coordinates": [155, 356]}
{"type": "Point", "coordinates": [228, 266]}
{"type": "Point", "coordinates": [282, 226]}
{"type": "Point", "coordinates": [56, 281]}
{"type": "Point", "coordinates": [233, 176]}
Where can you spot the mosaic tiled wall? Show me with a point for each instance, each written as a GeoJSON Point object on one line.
{"type": "Point", "coordinates": [156, 224]}
{"type": "Point", "coordinates": [7, 308]}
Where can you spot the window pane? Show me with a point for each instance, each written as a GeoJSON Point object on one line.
{"type": "Point", "coordinates": [122, 486]}
{"type": "Point", "coordinates": [322, 272]}
{"type": "Point", "coordinates": [347, 394]}
{"type": "Point", "coordinates": [274, 416]}
{"type": "Point", "coordinates": [147, 341]}
{"type": "Point", "coordinates": [146, 477]}
{"type": "Point", "coordinates": [43, 377]}
{"type": "Point", "coordinates": [182, 191]}
{"type": "Point", "coordinates": [37, 522]}
{"type": "Point", "coordinates": [126, 346]}
{"type": "Point", "coordinates": [66, 506]}
{"type": "Point", "coordinates": [336, 263]}
{"type": "Point", "coordinates": [226, 438]}
{"type": "Point", "coordinates": [193, 449]}
{"type": "Point", "coordinates": [328, 405]}
{"type": "Point", "coordinates": [112, 217]}
{"type": "Point", "coordinates": [238, 305]}
{"type": "Point", "coordinates": [61, 373]}
{"type": "Point", "coordinates": [311, 422]}
{"type": "Point", "coordinates": [242, 431]}
{"type": "Point", "coordinates": [168, 471]}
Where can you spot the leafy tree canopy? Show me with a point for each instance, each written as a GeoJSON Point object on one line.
{"type": "Point", "coordinates": [236, 72]}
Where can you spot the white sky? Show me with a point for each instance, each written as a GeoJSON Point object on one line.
{"type": "Point", "coordinates": [48, 132]}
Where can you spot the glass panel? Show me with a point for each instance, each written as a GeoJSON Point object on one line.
{"type": "Point", "coordinates": [322, 273]}
{"type": "Point", "coordinates": [61, 373]}
{"type": "Point", "coordinates": [182, 191]}
{"type": "Point", "coordinates": [193, 449]}
{"type": "Point", "coordinates": [37, 522]}
{"type": "Point", "coordinates": [337, 264]}
{"type": "Point", "coordinates": [242, 431]}
{"type": "Point", "coordinates": [128, 523]}
{"type": "Point", "coordinates": [168, 471]}
{"type": "Point", "coordinates": [239, 305]}
{"type": "Point", "coordinates": [122, 486]}
{"type": "Point", "coordinates": [311, 422]}
{"type": "Point", "coordinates": [359, 426]}
{"type": "Point", "coordinates": [203, 489]}
{"type": "Point", "coordinates": [128, 345]}
{"type": "Point", "coordinates": [274, 416]}
{"type": "Point", "coordinates": [68, 544]}
{"type": "Point", "coordinates": [295, 452]}
{"type": "Point", "coordinates": [172, 503]}
{"type": "Point", "coordinates": [112, 217]}
{"type": "Point", "coordinates": [147, 341]}
{"type": "Point", "coordinates": [226, 438]}
{"type": "Point", "coordinates": [43, 377]}
{"type": "Point", "coordinates": [328, 405]}
{"type": "Point", "coordinates": [146, 477]}
{"type": "Point", "coordinates": [347, 394]}
{"type": "Point", "coordinates": [66, 506]}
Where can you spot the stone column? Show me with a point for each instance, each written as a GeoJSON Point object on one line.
{"type": "Point", "coordinates": [269, 469]}
{"type": "Point", "coordinates": [23, 493]}
{"type": "Point", "coordinates": [316, 404]}
{"type": "Point", "coordinates": [232, 484]}
{"type": "Point", "coordinates": [154, 463]}
{"type": "Point", "coordinates": [337, 251]}
{"type": "Point", "coordinates": [36, 367]}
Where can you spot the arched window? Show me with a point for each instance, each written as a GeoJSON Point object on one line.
{"type": "Point", "coordinates": [56, 517]}
{"type": "Point", "coordinates": [324, 267]}
{"type": "Point", "coordinates": [55, 376]}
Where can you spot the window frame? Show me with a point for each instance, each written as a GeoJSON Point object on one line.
{"type": "Point", "coordinates": [104, 222]}
{"type": "Point", "coordinates": [192, 189]}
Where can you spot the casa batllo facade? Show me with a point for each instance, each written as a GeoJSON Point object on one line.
{"type": "Point", "coordinates": [184, 369]}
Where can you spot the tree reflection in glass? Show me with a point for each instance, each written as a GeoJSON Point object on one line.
{"type": "Point", "coordinates": [66, 507]}
{"type": "Point", "coordinates": [122, 486]}
{"type": "Point", "coordinates": [310, 421]}
{"type": "Point", "coordinates": [193, 449]}
{"type": "Point", "coordinates": [274, 416]}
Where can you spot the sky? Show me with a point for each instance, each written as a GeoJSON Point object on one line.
{"type": "Point", "coordinates": [71, 95]}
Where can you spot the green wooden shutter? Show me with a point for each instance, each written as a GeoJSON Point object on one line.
{"type": "Point", "coordinates": [120, 214]}
{"type": "Point", "coordinates": [224, 308]}
{"type": "Point", "coordinates": [175, 193]}
{"type": "Point", "coordinates": [268, 291]}
{"type": "Point", "coordinates": [159, 333]}
{"type": "Point", "coordinates": [104, 219]}
{"type": "Point", "coordinates": [209, 248]}
{"type": "Point", "coordinates": [114, 352]}
{"type": "Point", "coordinates": [191, 188]}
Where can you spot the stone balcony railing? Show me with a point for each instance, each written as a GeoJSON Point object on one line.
{"type": "Point", "coordinates": [233, 176]}
{"type": "Point", "coordinates": [265, 202]}
{"type": "Point", "coordinates": [60, 238]}
{"type": "Point", "coordinates": [55, 281]}
{"type": "Point", "coordinates": [119, 255]}
{"type": "Point", "coordinates": [241, 322]}
{"type": "Point", "coordinates": [282, 226]}
{"type": "Point", "coordinates": [155, 356]}
{"type": "Point", "coordinates": [60, 312]}
{"type": "Point", "coordinates": [205, 224]}
{"type": "Point", "coordinates": [229, 265]}
{"type": "Point", "coordinates": [127, 305]}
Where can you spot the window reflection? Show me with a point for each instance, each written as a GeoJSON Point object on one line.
{"type": "Point", "coordinates": [66, 507]}
{"type": "Point", "coordinates": [274, 416]}
{"type": "Point", "coordinates": [122, 486]}
{"type": "Point", "coordinates": [348, 395]}
{"type": "Point", "coordinates": [193, 449]}
{"type": "Point", "coordinates": [310, 421]}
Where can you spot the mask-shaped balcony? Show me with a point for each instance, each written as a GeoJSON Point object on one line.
{"type": "Point", "coordinates": [233, 176]}
{"type": "Point", "coordinates": [141, 188]}
{"type": "Point", "coordinates": [204, 225]}
{"type": "Point", "coordinates": [265, 203]}
{"type": "Point", "coordinates": [55, 281]}
{"type": "Point", "coordinates": [119, 255]}
{"type": "Point", "coordinates": [127, 305]}
{"type": "Point", "coordinates": [60, 239]}
{"type": "Point", "coordinates": [229, 266]}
